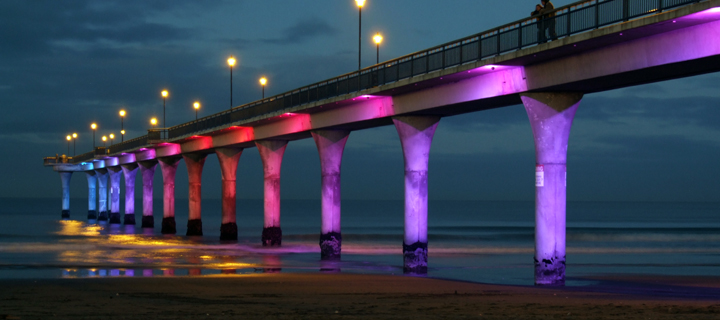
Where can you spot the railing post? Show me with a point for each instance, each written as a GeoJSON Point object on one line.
{"type": "Point", "coordinates": [597, 14]}
{"type": "Point", "coordinates": [659, 6]}
{"type": "Point", "coordinates": [461, 52]}
{"type": "Point", "coordinates": [626, 5]}
{"type": "Point", "coordinates": [520, 42]}
{"type": "Point", "coordinates": [443, 57]}
{"type": "Point", "coordinates": [498, 42]}
{"type": "Point", "coordinates": [479, 57]}
{"type": "Point", "coordinates": [567, 31]}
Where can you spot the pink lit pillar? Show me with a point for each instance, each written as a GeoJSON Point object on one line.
{"type": "Point", "coordinates": [114, 194]}
{"type": "Point", "coordinates": [194, 163]}
{"type": "Point", "coordinates": [130, 173]}
{"type": "Point", "coordinates": [65, 179]}
{"type": "Point", "coordinates": [92, 194]}
{"type": "Point", "coordinates": [330, 144]}
{"type": "Point", "coordinates": [147, 170]}
{"type": "Point", "coordinates": [168, 166]}
{"type": "Point", "coordinates": [102, 178]}
{"type": "Point", "coordinates": [416, 134]}
{"type": "Point", "coordinates": [229, 158]}
{"type": "Point", "coordinates": [271, 152]}
{"type": "Point", "coordinates": [551, 116]}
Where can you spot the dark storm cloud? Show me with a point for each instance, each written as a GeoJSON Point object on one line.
{"type": "Point", "coordinates": [303, 31]}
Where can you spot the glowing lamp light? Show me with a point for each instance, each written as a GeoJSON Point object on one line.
{"type": "Point", "coordinates": [104, 138]}
{"type": "Point", "coordinates": [378, 38]}
{"type": "Point", "coordinates": [196, 105]}
{"type": "Point", "coordinates": [153, 121]}
{"type": "Point", "coordinates": [112, 136]}
{"type": "Point", "coordinates": [360, 3]}
{"type": "Point", "coordinates": [122, 132]}
{"type": "Point", "coordinates": [231, 61]}
{"type": "Point", "coordinates": [263, 81]}
{"type": "Point", "coordinates": [68, 138]}
{"type": "Point", "coordinates": [93, 126]}
{"type": "Point", "coordinates": [74, 135]}
{"type": "Point", "coordinates": [164, 93]}
{"type": "Point", "coordinates": [122, 113]}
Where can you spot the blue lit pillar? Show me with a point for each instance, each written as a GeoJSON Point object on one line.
{"type": "Point", "coordinates": [65, 179]}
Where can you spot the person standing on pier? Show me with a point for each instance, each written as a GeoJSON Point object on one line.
{"type": "Point", "coordinates": [540, 29]}
{"type": "Point", "coordinates": [548, 12]}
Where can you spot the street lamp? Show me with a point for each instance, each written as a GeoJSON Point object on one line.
{"type": "Point", "coordinates": [153, 122]}
{"type": "Point", "coordinates": [104, 138]}
{"type": "Point", "coordinates": [378, 39]}
{"type": "Point", "coordinates": [122, 125]}
{"type": "Point", "coordinates": [68, 140]}
{"type": "Point", "coordinates": [111, 136]}
{"type": "Point", "coordinates": [93, 126]}
{"type": "Point", "coordinates": [164, 94]}
{"type": "Point", "coordinates": [196, 105]}
{"type": "Point", "coordinates": [231, 62]}
{"type": "Point", "coordinates": [263, 82]}
{"type": "Point", "coordinates": [360, 4]}
{"type": "Point", "coordinates": [74, 135]}
{"type": "Point", "coordinates": [122, 133]}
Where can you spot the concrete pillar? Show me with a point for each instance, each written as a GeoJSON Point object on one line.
{"type": "Point", "coordinates": [228, 158]}
{"type": "Point", "coordinates": [330, 144]}
{"type": "Point", "coordinates": [147, 170]}
{"type": "Point", "coordinates": [114, 194]}
{"type": "Point", "coordinates": [65, 179]}
{"type": "Point", "coordinates": [194, 163]}
{"type": "Point", "coordinates": [168, 166]}
{"type": "Point", "coordinates": [102, 178]}
{"type": "Point", "coordinates": [416, 134]}
{"type": "Point", "coordinates": [271, 152]}
{"type": "Point", "coordinates": [92, 194]}
{"type": "Point", "coordinates": [130, 173]}
{"type": "Point", "coordinates": [551, 116]}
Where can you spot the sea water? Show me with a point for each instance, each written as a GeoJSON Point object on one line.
{"type": "Point", "coordinates": [478, 241]}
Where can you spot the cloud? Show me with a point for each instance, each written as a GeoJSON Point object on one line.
{"type": "Point", "coordinates": [303, 31]}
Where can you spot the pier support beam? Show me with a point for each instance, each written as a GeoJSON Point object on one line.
{"type": "Point", "coordinates": [65, 179]}
{"type": "Point", "coordinates": [114, 194]}
{"type": "Point", "coordinates": [168, 166]}
{"type": "Point", "coordinates": [416, 134]}
{"type": "Point", "coordinates": [330, 144]}
{"type": "Point", "coordinates": [551, 116]}
{"type": "Point", "coordinates": [92, 194]}
{"type": "Point", "coordinates": [130, 173]}
{"type": "Point", "coordinates": [102, 178]}
{"type": "Point", "coordinates": [271, 152]}
{"type": "Point", "coordinates": [147, 170]}
{"type": "Point", "coordinates": [229, 158]}
{"type": "Point", "coordinates": [194, 163]}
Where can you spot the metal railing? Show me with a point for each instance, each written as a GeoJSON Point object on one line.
{"type": "Point", "coordinates": [129, 145]}
{"type": "Point", "coordinates": [88, 156]}
{"type": "Point", "coordinates": [572, 19]}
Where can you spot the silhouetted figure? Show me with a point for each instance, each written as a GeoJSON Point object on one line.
{"type": "Point", "coordinates": [549, 19]}
{"type": "Point", "coordinates": [540, 29]}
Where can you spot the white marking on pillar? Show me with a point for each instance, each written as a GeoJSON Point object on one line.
{"type": "Point", "coordinates": [229, 158]}
{"type": "Point", "coordinates": [92, 194]}
{"type": "Point", "coordinates": [330, 145]}
{"type": "Point", "coordinates": [551, 116]}
{"type": "Point", "coordinates": [416, 134]}
{"type": "Point", "coordinates": [271, 152]}
{"type": "Point", "coordinates": [65, 179]}
{"type": "Point", "coordinates": [194, 164]}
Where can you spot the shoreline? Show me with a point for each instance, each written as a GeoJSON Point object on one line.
{"type": "Point", "coordinates": [350, 296]}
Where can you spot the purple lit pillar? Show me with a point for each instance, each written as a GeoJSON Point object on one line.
{"type": "Point", "coordinates": [114, 194]}
{"type": "Point", "coordinates": [130, 173]}
{"type": "Point", "coordinates": [416, 134]}
{"type": "Point", "coordinates": [147, 170]}
{"type": "Point", "coordinates": [102, 178]}
{"type": "Point", "coordinates": [551, 116]}
{"type": "Point", "coordinates": [229, 158]}
{"type": "Point", "coordinates": [65, 179]}
{"type": "Point", "coordinates": [168, 166]}
{"type": "Point", "coordinates": [330, 144]}
{"type": "Point", "coordinates": [194, 163]}
{"type": "Point", "coordinates": [271, 152]}
{"type": "Point", "coordinates": [92, 194]}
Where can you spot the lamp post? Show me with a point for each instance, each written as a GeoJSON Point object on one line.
{"type": "Point", "coordinates": [68, 140]}
{"type": "Point", "coordinates": [74, 135]}
{"type": "Point", "coordinates": [360, 4]}
{"type": "Point", "coordinates": [104, 138]}
{"type": "Point", "coordinates": [378, 39]}
{"type": "Point", "coordinates": [231, 62]}
{"type": "Point", "coordinates": [196, 105]}
{"type": "Point", "coordinates": [153, 122]}
{"type": "Point", "coordinates": [122, 125]}
{"type": "Point", "coordinates": [93, 126]}
{"type": "Point", "coordinates": [263, 82]}
{"type": "Point", "coordinates": [111, 136]}
{"type": "Point", "coordinates": [164, 94]}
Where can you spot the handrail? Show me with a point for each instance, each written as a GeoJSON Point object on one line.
{"type": "Point", "coordinates": [571, 19]}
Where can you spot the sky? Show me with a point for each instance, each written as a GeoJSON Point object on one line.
{"type": "Point", "coordinates": [66, 64]}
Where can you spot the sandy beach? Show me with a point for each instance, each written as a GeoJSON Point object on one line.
{"type": "Point", "coordinates": [350, 296]}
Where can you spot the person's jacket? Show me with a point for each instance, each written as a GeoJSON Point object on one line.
{"type": "Point", "coordinates": [548, 7]}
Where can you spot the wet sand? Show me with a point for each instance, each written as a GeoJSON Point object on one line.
{"type": "Point", "coordinates": [350, 296]}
